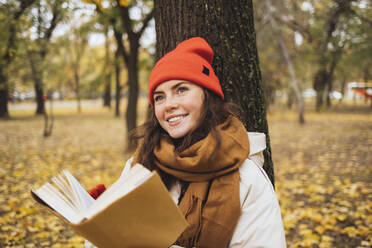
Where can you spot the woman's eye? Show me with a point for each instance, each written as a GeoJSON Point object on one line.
{"type": "Point", "coordinates": [158, 98]}
{"type": "Point", "coordinates": [181, 89]}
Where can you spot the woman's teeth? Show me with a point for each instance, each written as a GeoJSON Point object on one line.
{"type": "Point", "coordinates": [176, 118]}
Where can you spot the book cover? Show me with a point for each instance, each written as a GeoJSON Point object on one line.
{"type": "Point", "coordinates": [146, 216]}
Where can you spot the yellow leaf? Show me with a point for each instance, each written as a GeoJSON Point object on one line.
{"type": "Point", "coordinates": [319, 229]}
{"type": "Point", "coordinates": [365, 243]}
{"type": "Point", "coordinates": [347, 181]}
{"type": "Point", "coordinates": [124, 3]}
{"type": "Point", "coordinates": [325, 245]}
{"type": "Point", "coordinates": [341, 217]}
{"type": "Point", "coordinates": [327, 239]}
{"type": "Point", "coordinates": [18, 173]}
{"type": "Point", "coordinates": [363, 230]}
{"type": "Point", "coordinates": [350, 231]}
{"type": "Point", "coordinates": [316, 198]}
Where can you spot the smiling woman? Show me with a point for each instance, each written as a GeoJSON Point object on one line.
{"type": "Point", "coordinates": [211, 166]}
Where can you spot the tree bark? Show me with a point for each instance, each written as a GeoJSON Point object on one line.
{"type": "Point", "coordinates": [6, 58]}
{"type": "Point", "coordinates": [228, 27]}
{"type": "Point", "coordinates": [107, 75]}
{"type": "Point", "coordinates": [38, 84]}
{"type": "Point", "coordinates": [40, 104]}
{"type": "Point", "coordinates": [77, 87]}
{"type": "Point", "coordinates": [118, 90]}
{"type": "Point", "coordinates": [133, 91]}
{"type": "Point", "coordinates": [107, 94]}
{"type": "Point", "coordinates": [319, 86]}
{"type": "Point", "coordinates": [4, 95]}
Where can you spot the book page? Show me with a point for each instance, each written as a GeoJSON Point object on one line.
{"type": "Point", "coordinates": [66, 196]}
{"type": "Point", "coordinates": [137, 175]}
{"type": "Point", "coordinates": [85, 200]}
{"type": "Point", "coordinates": [73, 202]}
{"type": "Point", "coordinates": [57, 201]}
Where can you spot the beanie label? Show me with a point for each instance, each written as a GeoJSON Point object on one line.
{"type": "Point", "coordinates": [205, 70]}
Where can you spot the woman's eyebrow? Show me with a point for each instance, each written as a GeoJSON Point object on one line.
{"type": "Point", "coordinates": [157, 92]}
{"type": "Point", "coordinates": [172, 88]}
{"type": "Point", "coordinates": [176, 85]}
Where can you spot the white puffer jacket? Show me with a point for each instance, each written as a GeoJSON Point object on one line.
{"type": "Point", "coordinates": [260, 224]}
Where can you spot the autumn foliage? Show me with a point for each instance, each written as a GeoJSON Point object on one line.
{"type": "Point", "coordinates": [323, 173]}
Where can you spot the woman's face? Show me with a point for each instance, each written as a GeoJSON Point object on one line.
{"type": "Point", "coordinates": [178, 106]}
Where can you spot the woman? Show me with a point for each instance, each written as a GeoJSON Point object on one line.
{"type": "Point", "coordinates": [209, 163]}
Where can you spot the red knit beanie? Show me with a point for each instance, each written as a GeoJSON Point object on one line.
{"type": "Point", "coordinates": [191, 60]}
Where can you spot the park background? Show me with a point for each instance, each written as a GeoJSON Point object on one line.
{"type": "Point", "coordinates": [67, 90]}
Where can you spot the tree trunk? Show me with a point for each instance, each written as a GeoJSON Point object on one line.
{"type": "Point", "coordinates": [77, 88]}
{"type": "Point", "coordinates": [6, 58]}
{"type": "Point", "coordinates": [118, 85]}
{"type": "Point", "coordinates": [320, 80]}
{"type": "Point", "coordinates": [40, 104]}
{"type": "Point", "coordinates": [343, 85]}
{"type": "Point", "coordinates": [4, 96]}
{"type": "Point", "coordinates": [228, 27]}
{"type": "Point", "coordinates": [328, 95]}
{"type": "Point", "coordinates": [290, 98]}
{"type": "Point", "coordinates": [131, 61]}
{"type": "Point", "coordinates": [133, 91]}
{"type": "Point", "coordinates": [107, 74]}
{"type": "Point", "coordinates": [328, 59]}
{"type": "Point", "coordinates": [107, 94]}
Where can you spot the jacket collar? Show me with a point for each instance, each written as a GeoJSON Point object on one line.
{"type": "Point", "coordinates": [257, 142]}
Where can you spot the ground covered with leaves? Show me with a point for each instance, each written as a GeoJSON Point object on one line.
{"type": "Point", "coordinates": [323, 172]}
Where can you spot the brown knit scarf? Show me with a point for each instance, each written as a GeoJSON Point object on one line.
{"type": "Point", "coordinates": [211, 203]}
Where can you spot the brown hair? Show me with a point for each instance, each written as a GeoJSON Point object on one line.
{"type": "Point", "coordinates": [215, 112]}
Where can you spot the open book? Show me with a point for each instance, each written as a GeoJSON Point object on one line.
{"type": "Point", "coordinates": [136, 211]}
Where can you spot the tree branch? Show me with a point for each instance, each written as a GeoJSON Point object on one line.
{"type": "Point", "coordinates": [12, 29]}
{"type": "Point", "coordinates": [295, 26]}
{"type": "Point", "coordinates": [56, 18]}
{"type": "Point", "coordinates": [127, 22]}
{"type": "Point", "coordinates": [362, 18]}
{"type": "Point", "coordinates": [119, 41]}
{"type": "Point", "coordinates": [145, 22]}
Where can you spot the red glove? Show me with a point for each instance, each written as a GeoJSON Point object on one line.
{"type": "Point", "coordinates": [97, 191]}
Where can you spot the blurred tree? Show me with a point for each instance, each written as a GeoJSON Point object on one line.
{"type": "Point", "coordinates": [277, 31]}
{"type": "Point", "coordinates": [118, 85]}
{"type": "Point", "coordinates": [133, 26]}
{"type": "Point", "coordinates": [10, 14]}
{"type": "Point", "coordinates": [327, 28]}
{"type": "Point", "coordinates": [45, 16]}
{"type": "Point", "coordinates": [79, 42]}
{"type": "Point", "coordinates": [134, 31]}
{"type": "Point", "coordinates": [107, 72]}
{"type": "Point", "coordinates": [229, 29]}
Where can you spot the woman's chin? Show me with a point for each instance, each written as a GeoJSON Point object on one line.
{"type": "Point", "coordinates": [177, 134]}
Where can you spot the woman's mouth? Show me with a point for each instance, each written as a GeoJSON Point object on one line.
{"type": "Point", "coordinates": [176, 118]}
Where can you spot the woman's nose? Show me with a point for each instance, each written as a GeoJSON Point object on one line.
{"type": "Point", "coordinates": [171, 103]}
